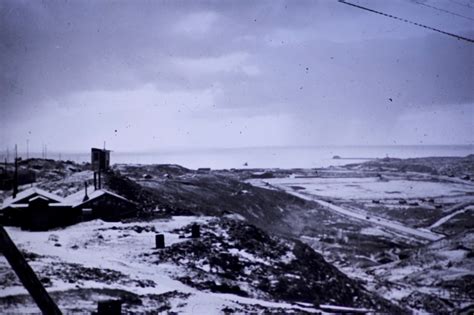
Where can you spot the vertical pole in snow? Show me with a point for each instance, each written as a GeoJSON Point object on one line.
{"type": "Point", "coordinates": [195, 231]}
{"type": "Point", "coordinates": [159, 241]}
{"type": "Point", "coordinates": [15, 176]}
{"type": "Point", "coordinates": [27, 275]}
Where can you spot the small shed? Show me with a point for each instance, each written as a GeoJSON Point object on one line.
{"type": "Point", "coordinates": [100, 159]}
{"type": "Point", "coordinates": [40, 215]}
{"type": "Point", "coordinates": [38, 210]}
{"type": "Point", "coordinates": [24, 196]}
{"type": "Point", "coordinates": [102, 204]}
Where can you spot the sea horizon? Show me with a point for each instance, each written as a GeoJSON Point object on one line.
{"type": "Point", "coordinates": [263, 156]}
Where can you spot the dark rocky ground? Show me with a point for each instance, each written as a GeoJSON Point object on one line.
{"type": "Point", "coordinates": [214, 193]}
{"type": "Point", "coordinates": [232, 256]}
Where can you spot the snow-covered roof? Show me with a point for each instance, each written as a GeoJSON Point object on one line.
{"type": "Point", "coordinates": [37, 197]}
{"type": "Point", "coordinates": [78, 197]}
{"type": "Point", "coordinates": [30, 192]}
{"type": "Point", "coordinates": [17, 206]}
{"type": "Point", "coordinates": [73, 200]}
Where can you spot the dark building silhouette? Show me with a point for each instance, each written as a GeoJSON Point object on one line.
{"type": "Point", "coordinates": [100, 159]}
{"type": "Point", "coordinates": [40, 215]}
{"type": "Point", "coordinates": [38, 210]}
{"type": "Point", "coordinates": [101, 204]}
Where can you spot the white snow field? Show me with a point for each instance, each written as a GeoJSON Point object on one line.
{"type": "Point", "coordinates": [94, 245]}
{"type": "Point", "coordinates": [373, 187]}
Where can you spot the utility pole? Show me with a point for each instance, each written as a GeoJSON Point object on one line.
{"type": "Point", "coordinates": [45, 151]}
{"type": "Point", "coordinates": [15, 176]}
{"type": "Point", "coordinates": [27, 149]}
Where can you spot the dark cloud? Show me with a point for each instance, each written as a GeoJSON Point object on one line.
{"type": "Point", "coordinates": [298, 58]}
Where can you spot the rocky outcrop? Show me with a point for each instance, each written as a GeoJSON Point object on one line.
{"type": "Point", "coordinates": [234, 257]}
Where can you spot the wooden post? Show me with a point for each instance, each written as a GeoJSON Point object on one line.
{"type": "Point", "coordinates": [85, 192]}
{"type": "Point", "coordinates": [110, 307]}
{"type": "Point", "coordinates": [160, 241]}
{"type": "Point", "coordinates": [195, 231]}
{"type": "Point", "coordinates": [15, 178]}
{"type": "Point", "coordinates": [27, 275]}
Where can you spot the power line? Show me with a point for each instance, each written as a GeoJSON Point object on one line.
{"type": "Point", "coordinates": [462, 4]}
{"type": "Point", "coordinates": [408, 21]}
{"type": "Point", "coordinates": [442, 10]}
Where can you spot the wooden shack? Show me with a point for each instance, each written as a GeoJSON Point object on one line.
{"type": "Point", "coordinates": [40, 215]}
{"type": "Point", "coordinates": [38, 210]}
{"type": "Point", "coordinates": [102, 204]}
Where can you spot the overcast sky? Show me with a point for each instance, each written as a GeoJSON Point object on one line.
{"type": "Point", "coordinates": [146, 75]}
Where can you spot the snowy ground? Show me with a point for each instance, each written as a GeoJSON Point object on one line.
{"type": "Point", "coordinates": [440, 269]}
{"type": "Point", "coordinates": [289, 184]}
{"type": "Point", "coordinates": [97, 260]}
{"type": "Point", "coordinates": [111, 251]}
{"type": "Point", "coordinates": [373, 187]}
{"type": "Point", "coordinates": [401, 202]}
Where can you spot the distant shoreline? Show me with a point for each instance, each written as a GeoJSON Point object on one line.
{"type": "Point", "coordinates": [266, 157]}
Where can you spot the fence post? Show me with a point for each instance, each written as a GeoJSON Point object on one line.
{"type": "Point", "coordinates": [109, 307]}
{"type": "Point", "coordinates": [195, 231]}
{"type": "Point", "coordinates": [160, 241]}
{"type": "Point", "coordinates": [27, 275]}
